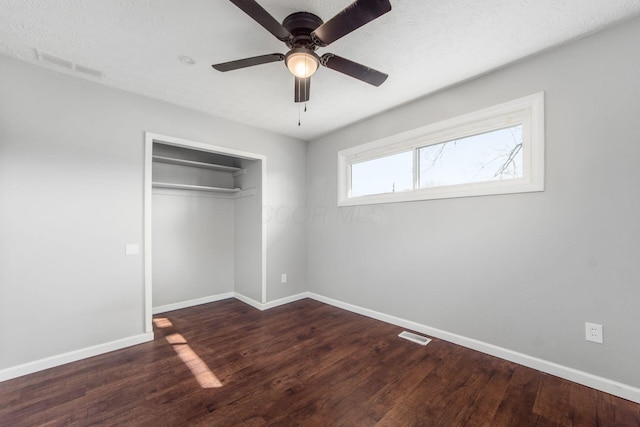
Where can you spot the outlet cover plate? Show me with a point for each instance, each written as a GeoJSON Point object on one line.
{"type": "Point", "coordinates": [593, 332]}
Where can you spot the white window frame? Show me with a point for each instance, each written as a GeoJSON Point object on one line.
{"type": "Point", "coordinates": [528, 111]}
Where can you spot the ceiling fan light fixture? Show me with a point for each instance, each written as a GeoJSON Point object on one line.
{"type": "Point", "coordinates": [303, 32]}
{"type": "Point", "coordinates": [302, 62]}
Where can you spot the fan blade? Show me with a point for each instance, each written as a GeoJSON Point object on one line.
{"type": "Point", "coordinates": [353, 69]}
{"type": "Point", "coordinates": [248, 62]}
{"type": "Point", "coordinates": [262, 17]}
{"type": "Point", "coordinates": [353, 17]}
{"type": "Point", "coordinates": [303, 86]}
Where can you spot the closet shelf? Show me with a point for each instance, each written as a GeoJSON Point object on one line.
{"type": "Point", "coordinates": [193, 163]}
{"type": "Point", "coordinates": [195, 187]}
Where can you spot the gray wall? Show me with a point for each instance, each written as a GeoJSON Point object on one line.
{"type": "Point", "coordinates": [163, 172]}
{"type": "Point", "coordinates": [193, 245]}
{"type": "Point", "coordinates": [520, 271]}
{"type": "Point", "coordinates": [285, 211]}
{"type": "Point", "coordinates": [71, 196]}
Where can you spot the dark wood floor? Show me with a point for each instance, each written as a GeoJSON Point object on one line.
{"type": "Point", "coordinates": [304, 363]}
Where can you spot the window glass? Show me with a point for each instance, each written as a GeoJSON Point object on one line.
{"type": "Point", "coordinates": [490, 156]}
{"type": "Point", "coordinates": [389, 174]}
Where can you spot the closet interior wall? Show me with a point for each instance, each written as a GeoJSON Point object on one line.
{"type": "Point", "coordinates": [248, 232]}
{"type": "Point", "coordinates": [198, 203]}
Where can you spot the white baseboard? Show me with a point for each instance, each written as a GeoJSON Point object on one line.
{"type": "Point", "coordinates": [191, 303]}
{"type": "Point", "coordinates": [599, 383]}
{"type": "Point", "coordinates": [285, 300]}
{"type": "Point", "coordinates": [253, 303]}
{"type": "Point", "coordinates": [270, 304]}
{"type": "Point", "coordinates": [72, 356]}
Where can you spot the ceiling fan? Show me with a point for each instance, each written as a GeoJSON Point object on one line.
{"type": "Point", "coordinates": [303, 33]}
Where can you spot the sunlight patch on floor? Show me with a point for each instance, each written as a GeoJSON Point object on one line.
{"type": "Point", "coordinates": [162, 322]}
{"type": "Point", "coordinates": [198, 368]}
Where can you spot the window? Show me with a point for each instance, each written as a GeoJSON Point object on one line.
{"type": "Point", "coordinates": [498, 150]}
{"type": "Point", "coordinates": [489, 156]}
{"type": "Point", "coordinates": [366, 178]}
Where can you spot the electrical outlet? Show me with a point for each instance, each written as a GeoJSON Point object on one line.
{"type": "Point", "coordinates": [593, 332]}
{"type": "Point", "coordinates": [283, 278]}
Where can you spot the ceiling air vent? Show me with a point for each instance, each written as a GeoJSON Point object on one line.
{"type": "Point", "coordinates": [89, 71]}
{"type": "Point", "coordinates": [68, 65]}
{"type": "Point", "coordinates": [45, 57]}
{"type": "Point", "coordinates": [418, 339]}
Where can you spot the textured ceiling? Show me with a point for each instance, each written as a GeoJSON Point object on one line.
{"type": "Point", "coordinates": [423, 46]}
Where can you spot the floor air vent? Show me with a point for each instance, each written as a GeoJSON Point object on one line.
{"type": "Point", "coordinates": [418, 339]}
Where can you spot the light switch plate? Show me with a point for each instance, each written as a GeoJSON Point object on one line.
{"type": "Point", "coordinates": [132, 249]}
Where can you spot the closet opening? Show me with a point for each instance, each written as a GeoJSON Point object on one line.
{"type": "Point", "coordinates": [204, 235]}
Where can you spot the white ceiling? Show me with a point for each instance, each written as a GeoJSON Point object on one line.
{"type": "Point", "coordinates": [423, 46]}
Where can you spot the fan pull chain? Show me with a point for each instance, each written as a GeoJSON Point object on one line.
{"type": "Point", "coordinates": [298, 114]}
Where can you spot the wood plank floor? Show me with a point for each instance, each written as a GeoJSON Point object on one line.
{"type": "Point", "coordinates": [302, 364]}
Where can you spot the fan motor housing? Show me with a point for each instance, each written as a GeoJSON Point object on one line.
{"type": "Point", "coordinates": [301, 25]}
